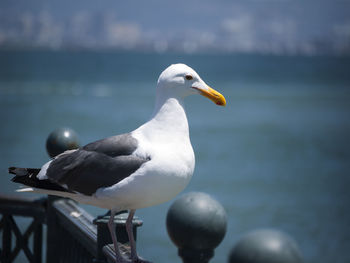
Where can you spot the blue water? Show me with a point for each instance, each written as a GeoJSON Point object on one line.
{"type": "Point", "coordinates": [276, 156]}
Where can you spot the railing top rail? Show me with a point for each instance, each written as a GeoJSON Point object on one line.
{"type": "Point", "coordinates": [19, 206]}
{"type": "Point", "coordinates": [18, 200]}
{"type": "Point", "coordinates": [78, 222]}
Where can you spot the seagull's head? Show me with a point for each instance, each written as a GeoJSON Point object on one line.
{"type": "Point", "coordinates": [180, 80]}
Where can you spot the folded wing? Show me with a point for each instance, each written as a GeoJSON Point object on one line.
{"type": "Point", "coordinates": [100, 164]}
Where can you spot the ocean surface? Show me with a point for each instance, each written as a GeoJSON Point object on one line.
{"type": "Point", "coordinates": [277, 156]}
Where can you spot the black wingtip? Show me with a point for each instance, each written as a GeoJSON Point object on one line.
{"type": "Point", "coordinates": [27, 176]}
{"type": "Point", "coordinates": [22, 171]}
{"type": "Point", "coordinates": [12, 170]}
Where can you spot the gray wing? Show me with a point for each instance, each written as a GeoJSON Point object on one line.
{"type": "Point", "coordinates": [99, 164]}
{"type": "Point", "coordinates": [123, 144]}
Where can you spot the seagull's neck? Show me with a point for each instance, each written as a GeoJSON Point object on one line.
{"type": "Point", "coordinates": [169, 110]}
{"type": "Point", "coordinates": [168, 120]}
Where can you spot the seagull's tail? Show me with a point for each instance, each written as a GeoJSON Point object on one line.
{"type": "Point", "coordinates": [24, 176]}
{"type": "Point", "coordinates": [28, 177]}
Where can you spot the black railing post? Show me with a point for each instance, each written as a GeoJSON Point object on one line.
{"type": "Point", "coordinates": [53, 243]}
{"type": "Point", "coordinates": [58, 141]}
{"type": "Point", "coordinates": [196, 224]}
{"type": "Point", "coordinates": [37, 241]}
{"type": "Point", "coordinates": [266, 246]}
{"type": "Point", "coordinates": [6, 239]}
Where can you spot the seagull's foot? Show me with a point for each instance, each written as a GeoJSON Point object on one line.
{"type": "Point", "coordinates": [136, 260]}
{"type": "Point", "coordinates": [122, 257]}
{"type": "Point", "coordinates": [125, 255]}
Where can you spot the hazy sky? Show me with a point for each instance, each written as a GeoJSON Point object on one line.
{"type": "Point", "coordinates": [241, 25]}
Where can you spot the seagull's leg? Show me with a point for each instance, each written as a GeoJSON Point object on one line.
{"type": "Point", "coordinates": [111, 225]}
{"type": "Point", "coordinates": [129, 230]}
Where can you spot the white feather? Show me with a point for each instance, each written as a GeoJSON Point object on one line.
{"type": "Point", "coordinates": [42, 174]}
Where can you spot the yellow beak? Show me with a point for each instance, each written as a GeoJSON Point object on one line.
{"type": "Point", "coordinates": [213, 95]}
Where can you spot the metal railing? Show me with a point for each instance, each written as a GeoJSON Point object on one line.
{"type": "Point", "coordinates": [10, 208]}
{"type": "Point", "coordinates": [73, 235]}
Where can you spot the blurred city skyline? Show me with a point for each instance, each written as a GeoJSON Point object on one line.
{"type": "Point", "coordinates": [249, 26]}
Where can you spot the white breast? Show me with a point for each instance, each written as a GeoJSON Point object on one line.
{"type": "Point", "coordinates": [165, 140]}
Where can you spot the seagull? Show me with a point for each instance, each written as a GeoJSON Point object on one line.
{"type": "Point", "coordinates": [145, 167]}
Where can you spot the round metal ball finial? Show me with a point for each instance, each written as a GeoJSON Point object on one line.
{"type": "Point", "coordinates": [266, 246]}
{"type": "Point", "coordinates": [196, 224]}
{"type": "Point", "coordinates": [60, 140]}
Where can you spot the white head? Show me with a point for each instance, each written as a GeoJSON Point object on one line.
{"type": "Point", "coordinates": [179, 81]}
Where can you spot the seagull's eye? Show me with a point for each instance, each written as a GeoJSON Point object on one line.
{"type": "Point", "coordinates": [188, 77]}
